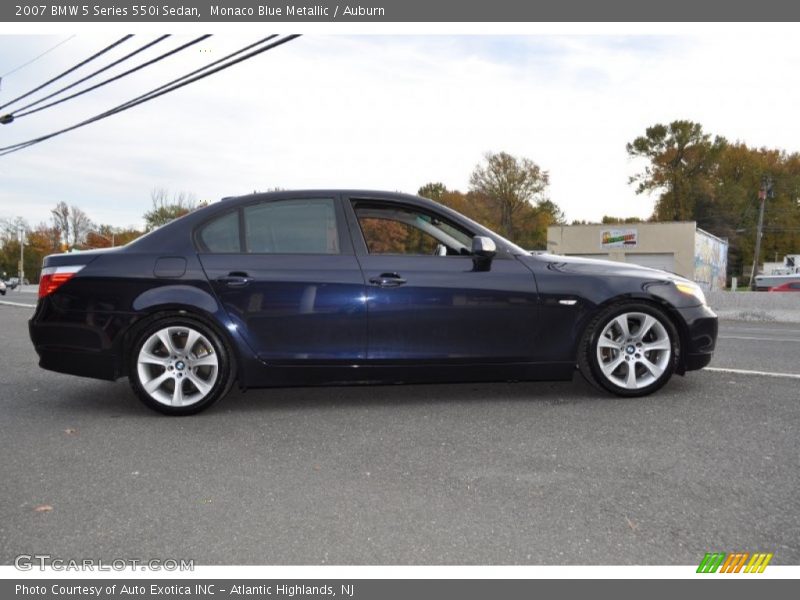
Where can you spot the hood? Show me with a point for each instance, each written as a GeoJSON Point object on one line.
{"type": "Point", "coordinates": [592, 266]}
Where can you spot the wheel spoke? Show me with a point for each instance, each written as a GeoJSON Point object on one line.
{"type": "Point", "coordinates": [191, 340]}
{"type": "Point", "coordinates": [655, 371]}
{"type": "Point", "coordinates": [177, 394]}
{"type": "Point", "coordinates": [151, 359]}
{"type": "Point", "coordinates": [609, 368]}
{"type": "Point", "coordinates": [622, 323]}
{"type": "Point", "coordinates": [166, 339]}
{"type": "Point", "coordinates": [605, 342]}
{"type": "Point", "coordinates": [202, 386]}
{"type": "Point", "coordinates": [657, 345]}
{"type": "Point", "coordinates": [630, 380]}
{"type": "Point", "coordinates": [209, 360]}
{"type": "Point", "coordinates": [647, 324]}
{"type": "Point", "coordinates": [152, 385]}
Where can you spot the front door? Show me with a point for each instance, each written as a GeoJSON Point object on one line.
{"type": "Point", "coordinates": [425, 299]}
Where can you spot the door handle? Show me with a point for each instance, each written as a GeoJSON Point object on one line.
{"type": "Point", "coordinates": [235, 279]}
{"type": "Point", "coordinates": [387, 280]}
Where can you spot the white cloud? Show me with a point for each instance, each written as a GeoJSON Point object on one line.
{"type": "Point", "coordinates": [391, 112]}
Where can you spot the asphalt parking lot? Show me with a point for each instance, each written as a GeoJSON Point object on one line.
{"type": "Point", "coordinates": [529, 473]}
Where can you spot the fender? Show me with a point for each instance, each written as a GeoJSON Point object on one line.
{"type": "Point", "coordinates": [177, 294]}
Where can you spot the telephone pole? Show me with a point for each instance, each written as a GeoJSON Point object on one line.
{"type": "Point", "coordinates": [21, 235]}
{"type": "Point", "coordinates": [763, 193]}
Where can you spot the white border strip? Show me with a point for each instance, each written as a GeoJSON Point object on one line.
{"type": "Point", "coordinates": [409, 572]}
{"type": "Point", "coordinates": [749, 372]}
{"type": "Point", "coordinates": [7, 303]}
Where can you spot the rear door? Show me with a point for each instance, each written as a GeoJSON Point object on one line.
{"type": "Point", "coordinates": [285, 271]}
{"type": "Point", "coordinates": [426, 301]}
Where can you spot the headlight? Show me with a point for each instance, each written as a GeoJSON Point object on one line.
{"type": "Point", "coordinates": [691, 289]}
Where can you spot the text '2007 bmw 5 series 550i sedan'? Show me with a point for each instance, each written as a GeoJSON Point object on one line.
{"type": "Point", "coordinates": [329, 287]}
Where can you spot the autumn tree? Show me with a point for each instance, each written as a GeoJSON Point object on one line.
{"type": "Point", "coordinates": [434, 191]}
{"type": "Point", "coordinates": [716, 183]}
{"type": "Point", "coordinates": [166, 209]}
{"type": "Point", "coordinates": [511, 184]}
{"type": "Point", "coordinates": [681, 164]}
{"type": "Point", "coordinates": [60, 217]}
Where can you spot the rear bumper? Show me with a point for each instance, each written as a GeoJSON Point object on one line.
{"type": "Point", "coordinates": [72, 350]}
{"type": "Point", "coordinates": [700, 336]}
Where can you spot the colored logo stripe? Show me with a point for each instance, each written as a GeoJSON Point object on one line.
{"type": "Point", "coordinates": [711, 562]}
{"type": "Point", "coordinates": [734, 562]}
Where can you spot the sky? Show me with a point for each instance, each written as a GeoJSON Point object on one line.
{"type": "Point", "coordinates": [389, 112]}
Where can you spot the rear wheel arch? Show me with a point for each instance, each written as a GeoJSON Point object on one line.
{"type": "Point", "coordinates": [146, 361]}
{"type": "Point", "coordinates": [159, 313]}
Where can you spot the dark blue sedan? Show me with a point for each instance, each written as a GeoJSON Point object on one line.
{"type": "Point", "coordinates": [329, 287]}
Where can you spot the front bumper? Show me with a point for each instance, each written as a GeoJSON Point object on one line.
{"type": "Point", "coordinates": [699, 337]}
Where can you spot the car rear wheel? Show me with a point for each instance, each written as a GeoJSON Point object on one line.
{"type": "Point", "coordinates": [180, 366]}
{"type": "Point", "coordinates": [629, 349]}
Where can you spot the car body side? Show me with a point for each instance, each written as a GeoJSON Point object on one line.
{"type": "Point", "coordinates": [87, 326]}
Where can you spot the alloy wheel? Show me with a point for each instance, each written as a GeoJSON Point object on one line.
{"type": "Point", "coordinates": [177, 366]}
{"type": "Point", "coordinates": [634, 350]}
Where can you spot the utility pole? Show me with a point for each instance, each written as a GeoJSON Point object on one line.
{"type": "Point", "coordinates": [764, 192]}
{"type": "Point", "coordinates": [21, 235]}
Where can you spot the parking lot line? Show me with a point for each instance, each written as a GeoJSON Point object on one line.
{"type": "Point", "coordinates": [750, 372]}
{"type": "Point", "coordinates": [7, 303]}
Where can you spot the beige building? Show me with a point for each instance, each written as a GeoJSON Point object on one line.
{"type": "Point", "coordinates": [678, 247]}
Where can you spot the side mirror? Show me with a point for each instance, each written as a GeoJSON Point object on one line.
{"type": "Point", "coordinates": [483, 251]}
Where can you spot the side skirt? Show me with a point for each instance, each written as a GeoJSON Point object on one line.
{"type": "Point", "coordinates": [282, 375]}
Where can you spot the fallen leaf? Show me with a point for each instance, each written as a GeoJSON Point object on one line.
{"type": "Point", "coordinates": [632, 524]}
{"type": "Point", "coordinates": [43, 508]}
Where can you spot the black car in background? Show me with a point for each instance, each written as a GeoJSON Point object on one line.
{"type": "Point", "coordinates": [328, 287]}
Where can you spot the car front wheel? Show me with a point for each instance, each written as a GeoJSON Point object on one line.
{"type": "Point", "coordinates": [629, 349]}
{"type": "Point", "coordinates": [180, 366]}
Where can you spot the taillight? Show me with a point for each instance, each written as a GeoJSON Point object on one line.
{"type": "Point", "coordinates": [53, 278]}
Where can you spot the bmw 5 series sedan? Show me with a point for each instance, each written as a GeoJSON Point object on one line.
{"type": "Point", "coordinates": [331, 287]}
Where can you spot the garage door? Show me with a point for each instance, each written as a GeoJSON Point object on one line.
{"type": "Point", "coordinates": [664, 261]}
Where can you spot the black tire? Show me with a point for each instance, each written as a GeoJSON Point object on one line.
{"type": "Point", "coordinates": [191, 370]}
{"type": "Point", "coordinates": [652, 368]}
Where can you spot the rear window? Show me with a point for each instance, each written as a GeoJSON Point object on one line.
{"type": "Point", "coordinates": [292, 227]}
{"type": "Point", "coordinates": [222, 234]}
{"type": "Point", "coordinates": [301, 226]}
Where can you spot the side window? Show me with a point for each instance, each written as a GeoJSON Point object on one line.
{"type": "Point", "coordinates": [303, 226]}
{"type": "Point", "coordinates": [399, 230]}
{"type": "Point", "coordinates": [222, 234]}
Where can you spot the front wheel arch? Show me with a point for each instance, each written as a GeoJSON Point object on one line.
{"type": "Point", "coordinates": [588, 356]}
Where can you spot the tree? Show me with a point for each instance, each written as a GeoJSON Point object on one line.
{"type": "Point", "coordinates": [60, 216]}
{"type": "Point", "coordinates": [79, 225]}
{"type": "Point", "coordinates": [165, 210]}
{"type": "Point", "coordinates": [682, 159]}
{"type": "Point", "coordinates": [511, 184]}
{"type": "Point", "coordinates": [434, 191]}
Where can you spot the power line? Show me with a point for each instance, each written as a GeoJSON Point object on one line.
{"type": "Point", "coordinates": [9, 118]}
{"type": "Point", "coordinates": [72, 85]}
{"type": "Point", "coordinates": [37, 57]}
{"type": "Point", "coordinates": [70, 70]}
{"type": "Point", "coordinates": [160, 91]}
